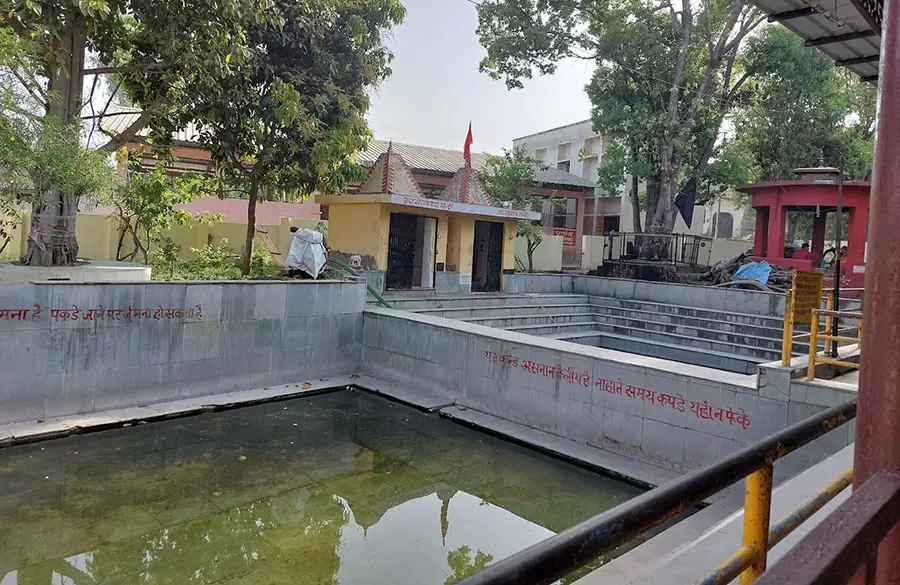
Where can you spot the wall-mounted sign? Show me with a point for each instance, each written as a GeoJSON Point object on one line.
{"type": "Point", "coordinates": [440, 205]}
{"type": "Point", "coordinates": [465, 278]}
{"type": "Point", "coordinates": [568, 235]}
{"type": "Point", "coordinates": [806, 295]}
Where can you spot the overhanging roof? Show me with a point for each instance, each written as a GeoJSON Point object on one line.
{"type": "Point", "coordinates": [848, 31]}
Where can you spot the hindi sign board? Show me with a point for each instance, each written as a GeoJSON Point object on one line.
{"type": "Point", "coordinates": [806, 295]}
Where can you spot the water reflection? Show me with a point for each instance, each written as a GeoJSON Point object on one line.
{"type": "Point", "coordinates": [342, 488]}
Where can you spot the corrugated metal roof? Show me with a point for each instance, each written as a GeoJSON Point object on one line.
{"type": "Point", "coordinates": [842, 29]}
{"type": "Point", "coordinates": [419, 158]}
{"type": "Point", "coordinates": [119, 118]}
{"type": "Point", "coordinates": [442, 160]}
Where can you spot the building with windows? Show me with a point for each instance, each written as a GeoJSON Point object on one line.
{"type": "Point", "coordinates": [577, 149]}
{"type": "Point", "coordinates": [434, 169]}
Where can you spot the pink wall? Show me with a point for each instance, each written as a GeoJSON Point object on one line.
{"type": "Point", "coordinates": [267, 212]}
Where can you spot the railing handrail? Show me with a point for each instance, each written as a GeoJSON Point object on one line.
{"type": "Point", "coordinates": [841, 314]}
{"type": "Point", "coordinates": [847, 539]}
{"type": "Point", "coordinates": [559, 555]}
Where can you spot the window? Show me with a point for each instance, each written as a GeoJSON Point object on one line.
{"type": "Point", "coordinates": [540, 154]}
{"type": "Point", "coordinates": [563, 165]}
{"type": "Point", "coordinates": [589, 170]}
{"type": "Point", "coordinates": [431, 191]}
{"type": "Point", "coordinates": [564, 151]}
{"type": "Point", "coordinates": [560, 213]}
{"type": "Point", "coordinates": [592, 146]}
{"type": "Point", "coordinates": [723, 225]}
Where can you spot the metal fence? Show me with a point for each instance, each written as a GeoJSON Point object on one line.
{"type": "Point", "coordinates": [671, 248]}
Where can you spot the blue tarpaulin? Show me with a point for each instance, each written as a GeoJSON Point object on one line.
{"type": "Point", "coordinates": [754, 271]}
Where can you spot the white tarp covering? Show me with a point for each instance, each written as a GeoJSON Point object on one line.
{"type": "Point", "coordinates": [307, 252]}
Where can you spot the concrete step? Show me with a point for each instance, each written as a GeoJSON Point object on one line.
{"type": "Point", "coordinates": [705, 330]}
{"type": "Point", "coordinates": [666, 350]}
{"type": "Point", "coordinates": [725, 347]}
{"type": "Point", "coordinates": [417, 303]}
{"type": "Point", "coordinates": [474, 313]}
{"type": "Point", "coordinates": [505, 322]}
{"type": "Point", "coordinates": [690, 311]}
{"type": "Point", "coordinates": [709, 332]}
{"type": "Point", "coordinates": [688, 321]}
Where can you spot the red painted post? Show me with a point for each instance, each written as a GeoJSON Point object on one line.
{"type": "Point", "coordinates": [856, 244]}
{"type": "Point", "coordinates": [762, 232]}
{"type": "Point", "coordinates": [878, 418]}
{"type": "Point", "coordinates": [777, 217]}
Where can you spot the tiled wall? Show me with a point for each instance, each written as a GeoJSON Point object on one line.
{"type": "Point", "coordinates": [683, 415]}
{"type": "Point", "coordinates": [138, 344]}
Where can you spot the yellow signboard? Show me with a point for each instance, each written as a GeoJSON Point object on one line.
{"type": "Point", "coordinates": [806, 295]}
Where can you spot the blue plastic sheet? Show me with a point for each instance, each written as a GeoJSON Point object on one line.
{"type": "Point", "coordinates": [754, 271]}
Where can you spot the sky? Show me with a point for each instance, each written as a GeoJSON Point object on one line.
{"type": "Point", "coordinates": [436, 88]}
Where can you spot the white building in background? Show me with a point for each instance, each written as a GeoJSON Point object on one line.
{"type": "Point", "coordinates": [577, 149]}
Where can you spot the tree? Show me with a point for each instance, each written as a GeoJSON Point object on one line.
{"type": "Point", "coordinates": [802, 110]}
{"type": "Point", "coordinates": [665, 76]}
{"type": "Point", "coordinates": [287, 115]}
{"type": "Point", "coordinates": [39, 159]}
{"type": "Point", "coordinates": [145, 206]}
{"type": "Point", "coordinates": [464, 565]}
{"type": "Point", "coordinates": [179, 45]}
{"type": "Point", "coordinates": [510, 179]}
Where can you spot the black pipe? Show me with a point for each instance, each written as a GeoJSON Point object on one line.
{"type": "Point", "coordinates": [559, 555]}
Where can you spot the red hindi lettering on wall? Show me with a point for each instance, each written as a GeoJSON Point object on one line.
{"type": "Point", "coordinates": [568, 235]}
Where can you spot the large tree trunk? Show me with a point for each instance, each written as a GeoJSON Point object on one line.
{"type": "Point", "coordinates": [247, 261]}
{"type": "Point", "coordinates": [52, 239]}
{"type": "Point", "coordinates": [635, 195]}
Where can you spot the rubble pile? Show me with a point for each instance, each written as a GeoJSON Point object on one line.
{"type": "Point", "coordinates": [779, 280]}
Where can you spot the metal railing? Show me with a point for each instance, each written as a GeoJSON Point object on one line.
{"type": "Point", "coordinates": [671, 248]}
{"type": "Point", "coordinates": [749, 561]}
{"type": "Point", "coordinates": [829, 313]}
{"type": "Point", "coordinates": [575, 547]}
{"type": "Point", "coordinates": [816, 335]}
{"type": "Point", "coordinates": [846, 541]}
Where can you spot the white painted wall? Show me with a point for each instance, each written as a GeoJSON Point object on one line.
{"type": "Point", "coordinates": [547, 256]}
{"type": "Point", "coordinates": [725, 249]}
{"type": "Point", "coordinates": [592, 248]}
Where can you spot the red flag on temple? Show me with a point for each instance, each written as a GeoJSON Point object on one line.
{"type": "Point", "coordinates": [467, 149]}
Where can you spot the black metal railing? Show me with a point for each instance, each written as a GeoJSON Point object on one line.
{"type": "Point", "coordinates": [575, 547]}
{"type": "Point", "coordinates": [670, 248]}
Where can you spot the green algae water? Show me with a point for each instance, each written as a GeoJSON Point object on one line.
{"type": "Point", "coordinates": [342, 488]}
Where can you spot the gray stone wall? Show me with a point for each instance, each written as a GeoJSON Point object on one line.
{"type": "Point", "coordinates": [723, 299]}
{"type": "Point", "coordinates": [77, 348]}
{"type": "Point", "coordinates": [654, 409]}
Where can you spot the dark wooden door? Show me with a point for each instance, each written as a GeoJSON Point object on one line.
{"type": "Point", "coordinates": [494, 257]}
{"type": "Point", "coordinates": [401, 251]}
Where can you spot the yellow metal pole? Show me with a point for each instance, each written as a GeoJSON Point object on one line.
{"type": "Point", "coordinates": [859, 332]}
{"type": "Point", "coordinates": [757, 507]}
{"type": "Point", "coordinates": [829, 305]}
{"type": "Point", "coordinates": [787, 338]}
{"type": "Point", "coordinates": [813, 346]}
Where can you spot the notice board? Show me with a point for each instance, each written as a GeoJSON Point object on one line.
{"type": "Point", "coordinates": [806, 295]}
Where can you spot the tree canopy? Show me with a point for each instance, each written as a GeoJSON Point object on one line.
{"type": "Point", "coordinates": [276, 88]}
{"type": "Point", "coordinates": [511, 180]}
{"type": "Point", "coordinates": [801, 109]}
{"type": "Point", "coordinates": [665, 77]}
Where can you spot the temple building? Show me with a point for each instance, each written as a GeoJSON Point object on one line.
{"type": "Point", "coordinates": [456, 241]}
